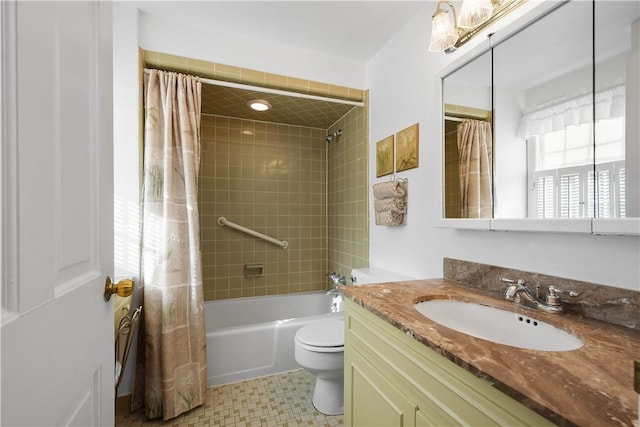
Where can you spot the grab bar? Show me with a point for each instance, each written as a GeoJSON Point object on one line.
{"type": "Point", "coordinates": [224, 221]}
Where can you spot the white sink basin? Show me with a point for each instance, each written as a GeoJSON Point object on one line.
{"type": "Point", "coordinates": [497, 325]}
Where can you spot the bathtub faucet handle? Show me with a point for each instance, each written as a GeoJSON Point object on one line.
{"type": "Point", "coordinates": [337, 279]}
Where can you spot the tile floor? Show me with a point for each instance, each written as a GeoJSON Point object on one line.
{"type": "Point", "coordinates": [282, 400]}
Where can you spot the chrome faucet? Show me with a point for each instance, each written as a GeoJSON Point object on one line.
{"type": "Point", "coordinates": [337, 279]}
{"type": "Point", "coordinates": [518, 292]}
{"type": "Point", "coordinates": [336, 301]}
{"type": "Point", "coordinates": [514, 287]}
{"type": "Point", "coordinates": [333, 291]}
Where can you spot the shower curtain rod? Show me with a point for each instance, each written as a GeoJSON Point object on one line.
{"type": "Point", "coordinates": [463, 118]}
{"type": "Point", "coordinates": [274, 91]}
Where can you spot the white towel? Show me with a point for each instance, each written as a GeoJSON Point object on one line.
{"type": "Point", "coordinates": [385, 190]}
{"type": "Point", "coordinates": [390, 217]}
{"type": "Point", "coordinates": [396, 204]}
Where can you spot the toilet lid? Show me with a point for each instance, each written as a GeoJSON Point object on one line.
{"type": "Point", "coordinates": [328, 333]}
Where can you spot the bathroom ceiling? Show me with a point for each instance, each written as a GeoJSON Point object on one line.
{"type": "Point", "coordinates": [232, 102]}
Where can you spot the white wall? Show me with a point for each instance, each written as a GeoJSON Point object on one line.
{"type": "Point", "coordinates": [509, 156]}
{"type": "Point", "coordinates": [222, 48]}
{"type": "Point", "coordinates": [126, 157]}
{"type": "Point", "coordinates": [402, 86]}
{"type": "Point", "coordinates": [468, 95]}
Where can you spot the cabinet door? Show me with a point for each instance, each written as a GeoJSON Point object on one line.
{"type": "Point", "coordinates": [435, 391]}
{"type": "Point", "coordinates": [374, 400]}
{"type": "Point", "coordinates": [423, 421]}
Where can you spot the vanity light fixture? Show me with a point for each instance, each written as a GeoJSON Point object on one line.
{"type": "Point", "coordinates": [475, 16]}
{"type": "Point", "coordinates": [444, 33]}
{"type": "Point", "coordinates": [259, 105]}
{"type": "Point", "coordinates": [474, 13]}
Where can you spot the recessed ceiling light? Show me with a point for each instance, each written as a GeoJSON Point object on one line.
{"type": "Point", "coordinates": [259, 104]}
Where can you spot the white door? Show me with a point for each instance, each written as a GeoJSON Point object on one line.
{"type": "Point", "coordinates": [57, 228]}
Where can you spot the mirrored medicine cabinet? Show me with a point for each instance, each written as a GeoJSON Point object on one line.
{"type": "Point", "coordinates": [541, 128]}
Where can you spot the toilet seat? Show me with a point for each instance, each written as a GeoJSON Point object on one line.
{"type": "Point", "coordinates": [322, 337]}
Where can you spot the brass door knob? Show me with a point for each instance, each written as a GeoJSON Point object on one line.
{"type": "Point", "coordinates": [123, 288]}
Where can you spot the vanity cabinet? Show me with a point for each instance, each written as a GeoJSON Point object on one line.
{"type": "Point", "coordinates": [392, 379]}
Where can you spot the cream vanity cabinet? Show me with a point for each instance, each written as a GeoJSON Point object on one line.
{"type": "Point", "coordinates": [393, 380]}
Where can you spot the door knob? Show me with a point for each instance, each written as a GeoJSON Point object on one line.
{"type": "Point", "coordinates": [123, 288]}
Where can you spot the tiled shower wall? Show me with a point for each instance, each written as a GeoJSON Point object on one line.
{"type": "Point", "coordinates": [348, 190]}
{"type": "Point", "coordinates": [271, 178]}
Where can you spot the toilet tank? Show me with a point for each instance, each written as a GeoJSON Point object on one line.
{"type": "Point", "coordinates": [370, 275]}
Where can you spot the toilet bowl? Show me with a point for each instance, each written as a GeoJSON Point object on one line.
{"type": "Point", "coordinates": [319, 349]}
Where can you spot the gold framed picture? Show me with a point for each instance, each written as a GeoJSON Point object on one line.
{"type": "Point", "coordinates": [384, 156]}
{"type": "Point", "coordinates": [407, 148]}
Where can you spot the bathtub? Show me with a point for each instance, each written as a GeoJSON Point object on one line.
{"type": "Point", "coordinates": [253, 337]}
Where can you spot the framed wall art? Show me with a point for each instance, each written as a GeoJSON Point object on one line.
{"type": "Point", "coordinates": [384, 156]}
{"type": "Point", "coordinates": [407, 148]}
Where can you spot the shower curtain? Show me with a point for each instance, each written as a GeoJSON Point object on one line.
{"type": "Point", "coordinates": [475, 148]}
{"type": "Point", "coordinates": [175, 364]}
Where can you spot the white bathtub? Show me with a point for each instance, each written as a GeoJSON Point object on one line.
{"type": "Point", "coordinates": [253, 337]}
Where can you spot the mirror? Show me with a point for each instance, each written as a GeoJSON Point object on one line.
{"type": "Point", "coordinates": [542, 88]}
{"type": "Point", "coordinates": [617, 107]}
{"type": "Point", "coordinates": [468, 166]}
{"type": "Point", "coordinates": [549, 158]}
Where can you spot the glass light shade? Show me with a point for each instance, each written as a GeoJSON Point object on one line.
{"type": "Point", "coordinates": [443, 33]}
{"type": "Point", "coordinates": [259, 105]}
{"type": "Point", "coordinates": [474, 13]}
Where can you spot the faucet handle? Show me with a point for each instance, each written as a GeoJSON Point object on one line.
{"type": "Point", "coordinates": [554, 290]}
{"type": "Point", "coordinates": [552, 297]}
{"type": "Point", "coordinates": [515, 286]}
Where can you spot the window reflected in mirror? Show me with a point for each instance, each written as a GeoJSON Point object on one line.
{"type": "Point", "coordinates": [543, 104]}
{"type": "Point", "coordinates": [561, 94]}
{"type": "Point", "coordinates": [563, 172]}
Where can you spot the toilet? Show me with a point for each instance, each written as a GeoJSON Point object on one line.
{"type": "Point", "coordinates": [319, 348]}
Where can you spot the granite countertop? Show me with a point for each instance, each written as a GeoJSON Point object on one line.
{"type": "Point", "coordinates": [591, 386]}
